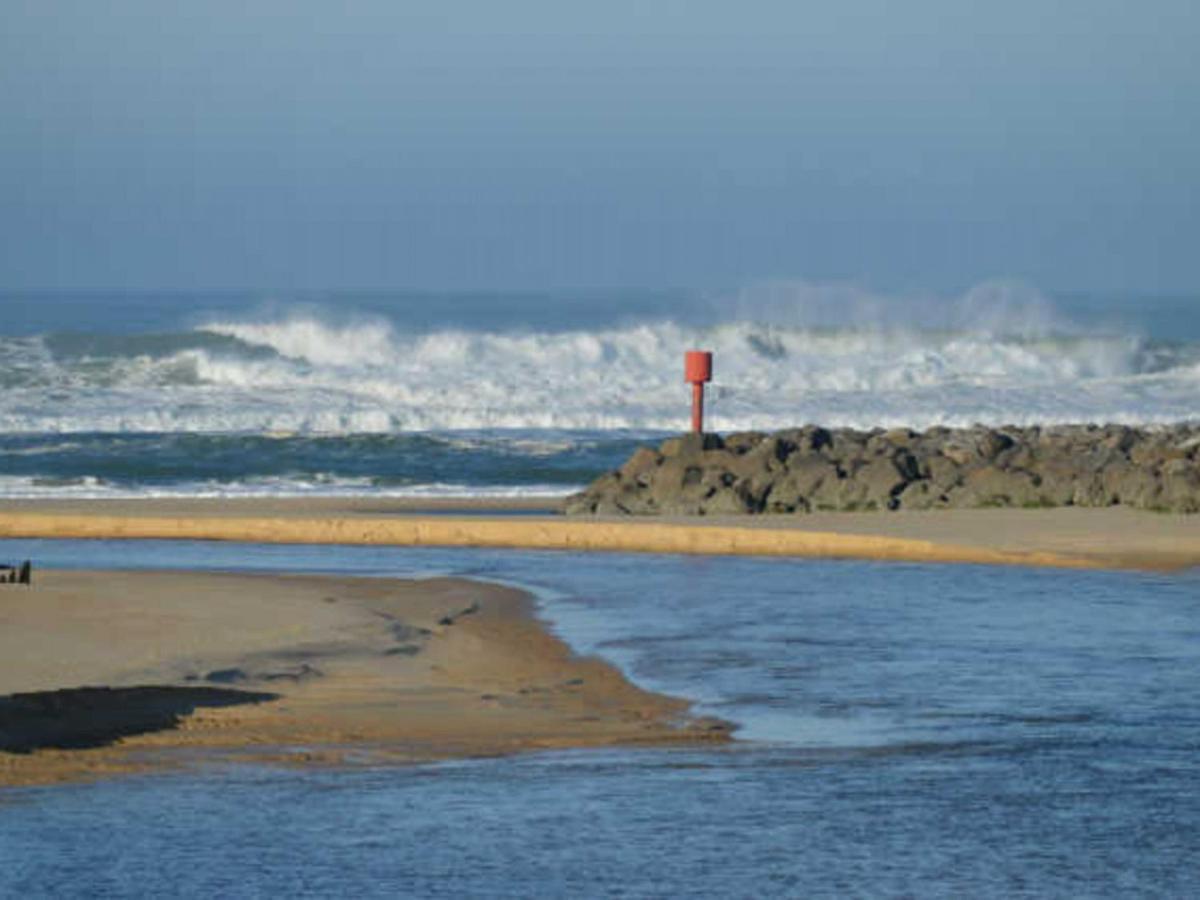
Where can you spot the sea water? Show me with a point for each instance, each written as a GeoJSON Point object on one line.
{"type": "Point", "coordinates": [496, 394]}
{"type": "Point", "coordinates": [905, 730]}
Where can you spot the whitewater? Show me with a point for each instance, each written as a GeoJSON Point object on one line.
{"type": "Point", "coordinates": [284, 396]}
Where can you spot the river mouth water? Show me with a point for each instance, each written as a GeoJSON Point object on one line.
{"type": "Point", "coordinates": [905, 730]}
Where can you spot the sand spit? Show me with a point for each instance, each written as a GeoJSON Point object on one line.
{"type": "Point", "coordinates": [104, 673]}
{"type": "Point", "coordinates": [1071, 537]}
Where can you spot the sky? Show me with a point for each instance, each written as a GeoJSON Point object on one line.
{"type": "Point", "coordinates": [381, 144]}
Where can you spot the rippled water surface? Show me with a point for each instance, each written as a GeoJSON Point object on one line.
{"type": "Point", "coordinates": [232, 394]}
{"type": "Point", "coordinates": [908, 730]}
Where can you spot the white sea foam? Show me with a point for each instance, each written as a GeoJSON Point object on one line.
{"type": "Point", "coordinates": [316, 342]}
{"type": "Point", "coordinates": [92, 488]}
{"type": "Point", "coordinates": [995, 307]}
{"type": "Point", "coordinates": [838, 358]}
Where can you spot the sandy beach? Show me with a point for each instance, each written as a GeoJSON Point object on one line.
{"type": "Point", "coordinates": [111, 672]}
{"type": "Point", "coordinates": [1070, 537]}
{"type": "Point", "coordinates": [114, 672]}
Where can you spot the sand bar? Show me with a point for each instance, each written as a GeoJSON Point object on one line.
{"type": "Point", "coordinates": [1114, 537]}
{"type": "Point", "coordinates": [296, 669]}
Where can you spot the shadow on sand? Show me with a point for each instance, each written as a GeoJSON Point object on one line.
{"type": "Point", "coordinates": [79, 718]}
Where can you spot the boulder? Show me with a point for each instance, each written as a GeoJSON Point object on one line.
{"type": "Point", "coordinates": [922, 494]}
{"type": "Point", "coordinates": [743, 441]}
{"type": "Point", "coordinates": [1058, 478]}
{"type": "Point", "coordinates": [1181, 485]}
{"type": "Point", "coordinates": [791, 492]}
{"type": "Point", "coordinates": [812, 468]}
{"type": "Point", "coordinates": [1131, 485]}
{"type": "Point", "coordinates": [1090, 491]}
{"type": "Point", "coordinates": [993, 486]}
{"type": "Point", "coordinates": [942, 471]}
{"type": "Point", "coordinates": [881, 481]}
{"type": "Point", "coordinates": [643, 461]}
{"type": "Point", "coordinates": [690, 444]}
{"type": "Point", "coordinates": [727, 501]}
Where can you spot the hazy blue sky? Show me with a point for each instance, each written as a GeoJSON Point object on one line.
{"type": "Point", "coordinates": [391, 143]}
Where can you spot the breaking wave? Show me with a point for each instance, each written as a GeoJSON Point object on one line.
{"type": "Point", "coordinates": [297, 401]}
{"type": "Point", "coordinates": [839, 358]}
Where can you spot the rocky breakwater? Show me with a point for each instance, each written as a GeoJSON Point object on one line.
{"type": "Point", "coordinates": [814, 469]}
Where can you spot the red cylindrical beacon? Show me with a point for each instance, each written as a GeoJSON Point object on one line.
{"type": "Point", "coordinates": [697, 369]}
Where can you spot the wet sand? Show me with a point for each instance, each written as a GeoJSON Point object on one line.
{"type": "Point", "coordinates": [1069, 537]}
{"type": "Point", "coordinates": [104, 673]}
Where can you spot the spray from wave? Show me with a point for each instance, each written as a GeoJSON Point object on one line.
{"type": "Point", "coordinates": [786, 353]}
{"type": "Point", "coordinates": [1008, 309]}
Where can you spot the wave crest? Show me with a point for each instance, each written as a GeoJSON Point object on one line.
{"type": "Point", "coordinates": [314, 341]}
{"type": "Point", "coordinates": [996, 355]}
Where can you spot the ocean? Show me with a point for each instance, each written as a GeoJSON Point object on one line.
{"type": "Point", "coordinates": [905, 731]}
{"type": "Point", "coordinates": [410, 394]}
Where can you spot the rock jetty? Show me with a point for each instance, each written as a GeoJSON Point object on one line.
{"type": "Point", "coordinates": [814, 469]}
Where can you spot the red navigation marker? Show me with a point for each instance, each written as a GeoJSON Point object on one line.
{"type": "Point", "coordinates": [697, 369]}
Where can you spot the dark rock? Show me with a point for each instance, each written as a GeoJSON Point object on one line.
{"type": "Point", "coordinates": [993, 486]}
{"type": "Point", "coordinates": [607, 506]}
{"type": "Point", "coordinates": [726, 501]}
{"type": "Point", "coordinates": [1119, 438]}
{"type": "Point", "coordinates": [1148, 454]}
{"type": "Point", "coordinates": [691, 444]}
{"type": "Point", "coordinates": [1130, 485]}
{"type": "Point", "coordinates": [811, 468]}
{"type": "Point", "coordinates": [644, 459]}
{"type": "Point", "coordinates": [1018, 456]}
{"type": "Point", "coordinates": [1090, 491]}
{"type": "Point", "coordinates": [800, 482]}
{"type": "Point", "coordinates": [941, 471]}
{"type": "Point", "coordinates": [1181, 486]}
{"type": "Point", "coordinates": [744, 441]}
{"type": "Point", "coordinates": [881, 481]}
{"type": "Point", "coordinates": [975, 445]}
{"type": "Point", "coordinates": [900, 437]}
{"type": "Point", "coordinates": [921, 495]}
{"type": "Point", "coordinates": [1058, 478]}
{"type": "Point", "coordinates": [846, 444]}
{"type": "Point", "coordinates": [809, 439]}
{"type": "Point", "coordinates": [772, 453]}
{"type": "Point", "coordinates": [907, 465]}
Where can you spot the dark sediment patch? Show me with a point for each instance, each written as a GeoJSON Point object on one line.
{"type": "Point", "coordinates": [452, 618]}
{"type": "Point", "coordinates": [80, 718]}
{"type": "Point", "coordinates": [237, 675]}
{"type": "Point", "coordinates": [302, 672]}
{"type": "Point", "coordinates": [403, 650]}
{"type": "Point", "coordinates": [814, 469]}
